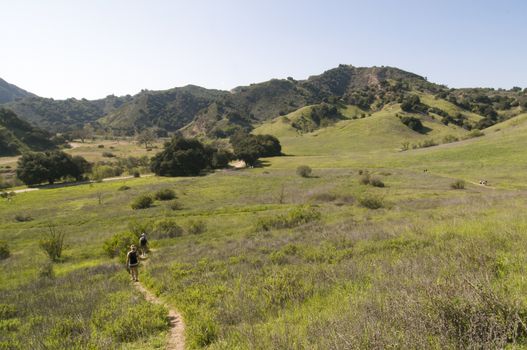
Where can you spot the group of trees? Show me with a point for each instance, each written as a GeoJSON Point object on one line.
{"type": "Point", "coordinates": [35, 168]}
{"type": "Point", "coordinates": [189, 157]}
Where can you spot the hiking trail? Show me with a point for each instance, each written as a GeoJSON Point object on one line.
{"type": "Point", "coordinates": [176, 333]}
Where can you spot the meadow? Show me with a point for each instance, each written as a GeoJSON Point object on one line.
{"type": "Point", "coordinates": [282, 261]}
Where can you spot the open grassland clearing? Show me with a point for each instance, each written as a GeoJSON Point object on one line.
{"type": "Point", "coordinates": [265, 258]}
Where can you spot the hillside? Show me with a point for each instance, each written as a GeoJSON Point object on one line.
{"type": "Point", "coordinates": [10, 92]}
{"type": "Point", "coordinates": [17, 135]}
{"type": "Point", "coordinates": [64, 115]}
{"type": "Point", "coordinates": [198, 111]}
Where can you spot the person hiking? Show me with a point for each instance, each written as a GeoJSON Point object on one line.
{"type": "Point", "coordinates": [132, 262]}
{"type": "Point", "coordinates": [143, 242]}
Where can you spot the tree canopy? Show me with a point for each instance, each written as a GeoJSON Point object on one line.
{"type": "Point", "coordinates": [35, 168]}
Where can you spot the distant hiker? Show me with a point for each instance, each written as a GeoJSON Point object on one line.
{"type": "Point", "coordinates": [132, 262]}
{"type": "Point", "coordinates": [142, 243]}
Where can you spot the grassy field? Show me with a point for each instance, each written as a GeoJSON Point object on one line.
{"type": "Point", "coordinates": [285, 262]}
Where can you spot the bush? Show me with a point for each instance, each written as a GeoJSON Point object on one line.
{"type": "Point", "coordinates": [100, 172]}
{"type": "Point", "coordinates": [108, 154]}
{"type": "Point", "coordinates": [458, 185]}
{"type": "Point", "coordinates": [371, 202]}
{"type": "Point", "coordinates": [123, 188]}
{"type": "Point", "coordinates": [167, 228]}
{"type": "Point", "coordinates": [295, 217]}
{"type": "Point", "coordinates": [165, 194]}
{"type": "Point", "coordinates": [136, 174]}
{"type": "Point", "coordinates": [100, 146]}
{"type": "Point", "coordinates": [365, 179]}
{"type": "Point", "coordinates": [23, 217]}
{"type": "Point", "coordinates": [175, 205]}
{"type": "Point", "coordinates": [196, 227]}
{"type": "Point", "coordinates": [142, 202]}
{"type": "Point", "coordinates": [450, 139]}
{"type": "Point", "coordinates": [139, 226]}
{"type": "Point", "coordinates": [118, 245]}
{"type": "Point", "coordinates": [53, 242]}
{"type": "Point", "coordinates": [303, 171]}
{"type": "Point", "coordinates": [474, 133]}
{"type": "Point", "coordinates": [4, 250]}
{"type": "Point", "coordinates": [376, 182]}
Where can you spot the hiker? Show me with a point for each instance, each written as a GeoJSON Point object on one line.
{"type": "Point", "coordinates": [143, 242]}
{"type": "Point", "coordinates": [132, 262]}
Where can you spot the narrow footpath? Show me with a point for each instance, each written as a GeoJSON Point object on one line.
{"type": "Point", "coordinates": [176, 335]}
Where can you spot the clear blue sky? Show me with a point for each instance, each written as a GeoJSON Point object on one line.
{"type": "Point", "coordinates": [75, 48]}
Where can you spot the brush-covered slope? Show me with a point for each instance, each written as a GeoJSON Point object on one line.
{"type": "Point", "coordinates": [17, 135]}
{"type": "Point", "coordinates": [64, 115]}
{"type": "Point", "coordinates": [10, 92]}
{"type": "Point", "coordinates": [167, 110]}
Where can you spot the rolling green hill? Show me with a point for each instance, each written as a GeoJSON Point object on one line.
{"type": "Point", "coordinates": [17, 135]}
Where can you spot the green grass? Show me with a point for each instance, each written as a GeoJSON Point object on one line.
{"type": "Point", "coordinates": [434, 267]}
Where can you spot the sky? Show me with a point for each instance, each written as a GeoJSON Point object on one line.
{"type": "Point", "coordinates": [91, 49]}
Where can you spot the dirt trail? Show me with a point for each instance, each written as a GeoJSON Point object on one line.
{"type": "Point", "coordinates": [176, 335]}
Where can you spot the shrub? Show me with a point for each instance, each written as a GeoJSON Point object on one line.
{"type": "Point", "coordinates": [46, 270]}
{"type": "Point", "coordinates": [371, 202]}
{"type": "Point", "coordinates": [427, 143]}
{"type": "Point", "coordinates": [4, 250]}
{"type": "Point", "coordinates": [53, 242]}
{"type": "Point", "coordinates": [108, 154]}
{"type": "Point", "coordinates": [142, 202]}
{"type": "Point", "coordinates": [376, 182]}
{"type": "Point", "coordinates": [136, 174]}
{"type": "Point", "coordinates": [23, 217]}
{"type": "Point", "coordinates": [100, 146]}
{"type": "Point", "coordinates": [295, 217]}
{"type": "Point", "coordinates": [458, 185]}
{"type": "Point", "coordinates": [100, 172]}
{"type": "Point", "coordinates": [303, 171]}
{"type": "Point", "coordinates": [413, 123]}
{"type": "Point", "coordinates": [123, 188]}
{"type": "Point", "coordinates": [165, 194]}
{"type": "Point", "coordinates": [137, 227]}
{"type": "Point", "coordinates": [474, 133]}
{"type": "Point", "coordinates": [196, 227]}
{"type": "Point", "coordinates": [365, 179]}
{"type": "Point", "coordinates": [450, 139]}
{"type": "Point", "coordinates": [118, 245]}
{"type": "Point", "coordinates": [175, 205]}
{"type": "Point", "coordinates": [167, 228]}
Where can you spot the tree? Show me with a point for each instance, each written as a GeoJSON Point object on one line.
{"type": "Point", "coordinates": [249, 147]}
{"type": "Point", "coordinates": [146, 137]}
{"type": "Point", "coordinates": [36, 168]}
{"type": "Point", "coordinates": [181, 157]}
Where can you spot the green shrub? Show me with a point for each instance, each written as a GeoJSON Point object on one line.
{"type": "Point", "coordinates": [371, 202]}
{"type": "Point", "coordinates": [376, 182]}
{"type": "Point", "coordinates": [118, 245]}
{"type": "Point", "coordinates": [53, 242]}
{"type": "Point", "coordinates": [458, 185]}
{"type": "Point", "coordinates": [365, 179]}
{"type": "Point", "coordinates": [167, 228]}
{"type": "Point", "coordinates": [165, 194]}
{"type": "Point", "coordinates": [108, 154]}
{"type": "Point", "coordinates": [100, 172]}
{"type": "Point", "coordinates": [474, 133]}
{"type": "Point", "coordinates": [136, 174]}
{"type": "Point", "coordinates": [196, 227]}
{"type": "Point", "coordinates": [23, 217]}
{"type": "Point", "coordinates": [175, 205]}
{"type": "Point", "coordinates": [123, 188]}
{"type": "Point", "coordinates": [142, 202]}
{"type": "Point", "coordinates": [304, 171]}
{"type": "Point", "coordinates": [4, 250]}
{"type": "Point", "coordinates": [137, 227]}
{"type": "Point", "coordinates": [450, 139]}
{"type": "Point", "coordinates": [295, 217]}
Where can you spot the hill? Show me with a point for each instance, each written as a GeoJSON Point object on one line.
{"type": "Point", "coordinates": [198, 111]}
{"type": "Point", "coordinates": [10, 92]}
{"type": "Point", "coordinates": [64, 115]}
{"type": "Point", "coordinates": [17, 135]}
